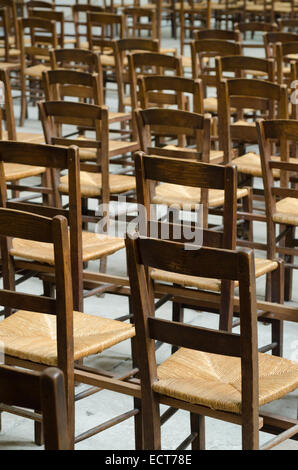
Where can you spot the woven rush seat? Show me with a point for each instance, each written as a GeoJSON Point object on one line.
{"type": "Point", "coordinates": [91, 184]}
{"type": "Point", "coordinates": [250, 164]}
{"type": "Point", "coordinates": [215, 380]}
{"type": "Point", "coordinates": [286, 211]}
{"type": "Point", "coordinates": [36, 70]}
{"type": "Point", "coordinates": [32, 335]}
{"type": "Point", "coordinates": [116, 147]}
{"type": "Point", "coordinates": [95, 245]}
{"type": "Point", "coordinates": [170, 194]}
{"type": "Point", "coordinates": [17, 171]}
{"type": "Point", "coordinates": [115, 117]}
{"type": "Point", "coordinates": [26, 137]}
{"type": "Point", "coordinates": [214, 154]}
{"type": "Point", "coordinates": [186, 61]}
{"type": "Point", "coordinates": [262, 266]}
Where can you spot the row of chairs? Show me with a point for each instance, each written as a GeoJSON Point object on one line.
{"type": "Point", "coordinates": [217, 262]}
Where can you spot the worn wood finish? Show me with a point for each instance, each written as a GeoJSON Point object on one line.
{"type": "Point", "coordinates": [43, 37]}
{"type": "Point", "coordinates": [39, 390]}
{"type": "Point", "coordinates": [240, 266]}
{"type": "Point", "coordinates": [284, 131]}
{"type": "Point", "coordinates": [33, 227]}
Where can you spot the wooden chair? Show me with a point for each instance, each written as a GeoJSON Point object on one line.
{"type": "Point", "coordinates": [79, 13]}
{"type": "Point", "coordinates": [34, 57]}
{"type": "Point", "coordinates": [254, 27]}
{"type": "Point", "coordinates": [193, 16]}
{"type": "Point", "coordinates": [97, 182]}
{"type": "Point", "coordinates": [244, 66]}
{"type": "Point", "coordinates": [74, 330]}
{"type": "Point", "coordinates": [183, 381]}
{"type": "Point", "coordinates": [269, 99]}
{"type": "Point", "coordinates": [57, 16]}
{"type": "Point", "coordinates": [167, 91]}
{"type": "Point", "coordinates": [139, 20]}
{"type": "Point", "coordinates": [150, 64]}
{"type": "Point", "coordinates": [288, 24]}
{"type": "Point", "coordinates": [60, 84]}
{"type": "Point", "coordinates": [220, 181]}
{"type": "Point", "coordinates": [201, 52]}
{"type": "Point", "coordinates": [13, 35]}
{"type": "Point", "coordinates": [271, 39]}
{"type": "Point", "coordinates": [281, 202]}
{"type": "Point", "coordinates": [43, 391]}
{"type": "Point", "coordinates": [285, 54]}
{"type": "Point", "coordinates": [9, 54]}
{"type": "Point", "coordinates": [76, 59]}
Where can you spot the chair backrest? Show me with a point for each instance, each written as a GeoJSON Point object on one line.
{"type": "Point", "coordinates": [32, 4]}
{"type": "Point", "coordinates": [151, 63]}
{"type": "Point", "coordinates": [146, 253]}
{"type": "Point", "coordinates": [7, 111]}
{"type": "Point", "coordinates": [193, 16]}
{"type": "Point", "coordinates": [160, 91]}
{"type": "Point", "coordinates": [254, 27]}
{"type": "Point", "coordinates": [57, 16]}
{"type": "Point", "coordinates": [5, 28]}
{"type": "Point", "coordinates": [267, 98]}
{"type": "Point", "coordinates": [175, 124]}
{"type": "Point", "coordinates": [202, 53]}
{"type": "Point", "coordinates": [283, 132]}
{"type": "Point", "coordinates": [80, 19]}
{"type": "Point", "coordinates": [43, 391]}
{"type": "Point", "coordinates": [270, 40]}
{"type": "Point", "coordinates": [55, 114]}
{"type": "Point", "coordinates": [53, 158]}
{"type": "Point", "coordinates": [242, 66]}
{"type": "Point", "coordinates": [104, 26]}
{"type": "Point", "coordinates": [13, 19]}
{"type": "Point", "coordinates": [41, 32]}
{"type": "Point", "coordinates": [60, 83]}
{"type": "Point", "coordinates": [76, 59]}
{"type": "Point", "coordinates": [139, 20]}
{"type": "Point", "coordinates": [285, 52]}
{"type": "Point", "coordinates": [289, 25]}
{"type": "Point", "coordinates": [221, 34]}
{"type": "Point", "coordinates": [29, 226]}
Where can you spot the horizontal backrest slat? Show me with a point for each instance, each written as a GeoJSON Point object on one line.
{"type": "Point", "coordinates": [194, 337]}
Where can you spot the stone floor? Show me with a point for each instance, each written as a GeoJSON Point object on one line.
{"type": "Point", "coordinates": [17, 433]}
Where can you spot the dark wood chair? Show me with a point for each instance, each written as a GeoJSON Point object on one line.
{"type": "Point", "coordinates": [184, 380]}
{"type": "Point", "coordinates": [50, 15]}
{"type": "Point", "coordinates": [281, 202]}
{"type": "Point", "coordinates": [9, 54]}
{"type": "Point", "coordinates": [79, 13]}
{"type": "Point", "coordinates": [31, 233]}
{"type": "Point", "coordinates": [202, 54]}
{"type": "Point", "coordinates": [252, 27]}
{"type": "Point", "coordinates": [34, 57]}
{"type": "Point", "coordinates": [44, 391]}
{"type": "Point", "coordinates": [244, 66]}
{"type": "Point", "coordinates": [221, 181]}
{"type": "Point", "coordinates": [286, 53]}
{"type": "Point", "coordinates": [151, 63]}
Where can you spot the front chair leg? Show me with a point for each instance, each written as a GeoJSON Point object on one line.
{"type": "Point", "coordinates": [197, 425]}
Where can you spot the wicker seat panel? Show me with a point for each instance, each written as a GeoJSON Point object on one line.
{"type": "Point", "coordinates": [286, 211]}
{"type": "Point", "coordinates": [95, 245]}
{"type": "Point", "coordinates": [175, 194]}
{"type": "Point", "coordinates": [17, 171]}
{"type": "Point", "coordinates": [215, 381]}
{"type": "Point", "coordinates": [32, 335]}
{"type": "Point", "coordinates": [91, 184]}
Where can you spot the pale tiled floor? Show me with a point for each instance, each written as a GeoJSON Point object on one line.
{"type": "Point", "coordinates": [17, 433]}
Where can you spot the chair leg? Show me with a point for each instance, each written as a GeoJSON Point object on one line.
{"type": "Point", "coordinates": [277, 289]}
{"type": "Point", "coordinates": [38, 432]}
{"type": "Point", "coordinates": [178, 316]}
{"type": "Point", "coordinates": [23, 100]}
{"type": "Point", "coordinates": [197, 425]}
{"type": "Point", "coordinates": [289, 239]}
